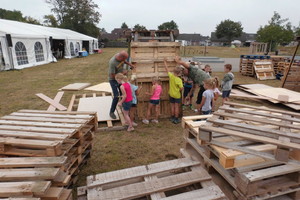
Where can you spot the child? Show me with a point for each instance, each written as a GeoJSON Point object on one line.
{"type": "Point", "coordinates": [227, 82]}
{"type": "Point", "coordinates": [208, 97]}
{"type": "Point", "coordinates": [126, 100]}
{"type": "Point", "coordinates": [207, 69]}
{"type": "Point", "coordinates": [188, 85]}
{"type": "Point", "coordinates": [217, 92]}
{"type": "Point", "coordinates": [175, 88]}
{"type": "Point", "coordinates": [154, 100]}
{"type": "Point", "coordinates": [135, 90]}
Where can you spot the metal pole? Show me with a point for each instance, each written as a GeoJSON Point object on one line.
{"type": "Point", "coordinates": [292, 61]}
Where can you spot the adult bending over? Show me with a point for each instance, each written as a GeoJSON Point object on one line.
{"type": "Point", "coordinates": [115, 66]}
{"type": "Point", "coordinates": [196, 75]}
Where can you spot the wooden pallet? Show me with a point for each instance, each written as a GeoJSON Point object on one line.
{"type": "Point", "coordinates": [247, 165]}
{"type": "Point", "coordinates": [264, 70]}
{"type": "Point", "coordinates": [49, 147]}
{"type": "Point", "coordinates": [164, 180]}
{"type": "Point", "coordinates": [108, 125]}
{"type": "Point", "coordinates": [292, 81]}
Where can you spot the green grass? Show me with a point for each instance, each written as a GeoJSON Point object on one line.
{"type": "Point", "coordinates": [112, 150]}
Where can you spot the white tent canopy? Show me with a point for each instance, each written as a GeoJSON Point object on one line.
{"type": "Point", "coordinates": [31, 44]}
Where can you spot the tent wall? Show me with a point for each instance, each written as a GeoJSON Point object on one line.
{"type": "Point", "coordinates": [30, 56]}
{"type": "Point", "coordinates": [6, 65]}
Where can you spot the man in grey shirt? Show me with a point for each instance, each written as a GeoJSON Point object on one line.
{"type": "Point", "coordinates": [115, 65]}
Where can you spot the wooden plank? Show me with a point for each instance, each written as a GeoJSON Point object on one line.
{"type": "Point", "coordinates": [40, 124]}
{"type": "Point", "coordinates": [29, 142]}
{"type": "Point", "coordinates": [57, 98]}
{"type": "Point", "coordinates": [71, 103]}
{"type": "Point", "coordinates": [135, 172]}
{"type": "Point", "coordinates": [43, 119]}
{"type": "Point", "coordinates": [38, 129]}
{"type": "Point", "coordinates": [273, 93]}
{"type": "Point", "coordinates": [155, 44]}
{"type": "Point", "coordinates": [54, 193]}
{"type": "Point", "coordinates": [102, 87]}
{"type": "Point", "coordinates": [32, 162]}
{"type": "Point", "coordinates": [75, 86]}
{"type": "Point", "coordinates": [66, 113]}
{"type": "Point", "coordinates": [51, 101]}
{"type": "Point", "coordinates": [58, 116]}
{"type": "Point", "coordinates": [28, 188]}
{"type": "Point", "coordinates": [208, 193]}
{"type": "Point", "coordinates": [28, 174]}
{"type": "Point", "coordinates": [33, 135]}
{"type": "Point", "coordinates": [153, 186]}
{"type": "Point", "coordinates": [101, 105]}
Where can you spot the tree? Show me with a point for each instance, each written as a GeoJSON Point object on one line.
{"type": "Point", "coordinates": [297, 30]}
{"type": "Point", "coordinates": [50, 20]}
{"type": "Point", "coordinates": [138, 27]}
{"type": "Point", "coordinates": [168, 26]}
{"type": "Point", "coordinates": [31, 20]}
{"type": "Point", "coordinates": [278, 31]}
{"type": "Point", "coordinates": [229, 29]}
{"type": "Point", "coordinates": [11, 15]}
{"type": "Point", "coordinates": [77, 15]}
{"type": "Point", "coordinates": [124, 25]}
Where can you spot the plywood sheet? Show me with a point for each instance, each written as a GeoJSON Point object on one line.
{"type": "Point", "coordinates": [75, 86]}
{"type": "Point", "coordinates": [102, 87]}
{"type": "Point", "coordinates": [274, 92]}
{"type": "Point", "coordinates": [101, 105]}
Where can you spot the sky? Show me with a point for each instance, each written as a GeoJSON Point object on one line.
{"type": "Point", "coordinates": [192, 16]}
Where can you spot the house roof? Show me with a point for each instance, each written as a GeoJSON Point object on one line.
{"type": "Point", "coordinates": [243, 38]}
{"type": "Point", "coordinates": [192, 37]}
{"type": "Point", "coordinates": [20, 29]}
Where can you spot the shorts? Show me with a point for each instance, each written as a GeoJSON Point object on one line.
{"type": "Point", "coordinates": [133, 105]}
{"type": "Point", "coordinates": [226, 94]}
{"type": "Point", "coordinates": [127, 105]}
{"type": "Point", "coordinates": [200, 93]}
{"type": "Point", "coordinates": [186, 91]}
{"type": "Point", "coordinates": [206, 112]}
{"type": "Point", "coordinates": [173, 100]}
{"type": "Point", "coordinates": [154, 102]}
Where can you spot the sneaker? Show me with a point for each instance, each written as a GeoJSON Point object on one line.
{"type": "Point", "coordinates": [112, 115]}
{"type": "Point", "coordinates": [134, 124]}
{"type": "Point", "coordinates": [176, 121]}
{"type": "Point", "coordinates": [154, 121]}
{"type": "Point", "coordinates": [145, 121]}
{"type": "Point", "coordinates": [130, 129]}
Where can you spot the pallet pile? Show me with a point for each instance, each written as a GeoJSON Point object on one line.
{"type": "Point", "coordinates": [255, 149]}
{"type": "Point", "coordinates": [42, 152]}
{"type": "Point", "coordinates": [293, 77]}
{"type": "Point", "coordinates": [247, 62]}
{"type": "Point", "coordinates": [149, 60]}
{"type": "Point", "coordinates": [271, 94]}
{"type": "Point", "coordinates": [169, 180]}
{"type": "Point", "coordinates": [277, 63]}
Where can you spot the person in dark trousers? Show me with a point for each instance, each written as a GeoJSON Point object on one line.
{"type": "Point", "coordinates": [115, 66]}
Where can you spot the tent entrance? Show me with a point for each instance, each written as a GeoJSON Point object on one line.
{"type": "Point", "coordinates": [86, 45]}
{"type": "Point", "coordinates": [2, 63]}
{"type": "Point", "coordinates": [58, 48]}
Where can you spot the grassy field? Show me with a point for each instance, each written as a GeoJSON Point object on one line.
{"type": "Point", "coordinates": [112, 150]}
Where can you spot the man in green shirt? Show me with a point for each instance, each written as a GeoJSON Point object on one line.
{"type": "Point", "coordinates": [115, 65]}
{"type": "Point", "coordinates": [196, 75]}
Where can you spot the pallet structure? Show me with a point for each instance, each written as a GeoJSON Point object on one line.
{"type": "Point", "coordinates": [106, 125]}
{"type": "Point", "coordinates": [41, 152]}
{"type": "Point", "coordinates": [149, 60]}
{"type": "Point", "coordinates": [247, 62]}
{"type": "Point", "coordinates": [153, 36]}
{"type": "Point", "coordinates": [292, 81]}
{"type": "Point", "coordinates": [277, 64]}
{"type": "Point", "coordinates": [255, 149]}
{"type": "Point", "coordinates": [175, 179]}
{"type": "Point", "coordinates": [264, 70]}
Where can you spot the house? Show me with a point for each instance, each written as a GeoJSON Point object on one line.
{"type": "Point", "coordinates": [195, 39]}
{"type": "Point", "coordinates": [116, 34]}
{"type": "Point", "coordinates": [245, 38]}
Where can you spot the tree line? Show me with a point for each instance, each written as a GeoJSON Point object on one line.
{"type": "Point", "coordinates": [164, 26]}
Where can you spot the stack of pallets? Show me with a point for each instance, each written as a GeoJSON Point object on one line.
{"type": "Point", "coordinates": [169, 180]}
{"type": "Point", "coordinates": [277, 60]}
{"type": "Point", "coordinates": [247, 62]}
{"type": "Point", "coordinates": [256, 150]}
{"type": "Point", "coordinates": [41, 152]}
{"type": "Point", "coordinates": [148, 58]}
{"type": "Point", "coordinates": [264, 70]}
{"type": "Point", "coordinates": [293, 77]}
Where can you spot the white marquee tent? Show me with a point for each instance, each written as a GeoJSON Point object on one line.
{"type": "Point", "coordinates": [34, 44]}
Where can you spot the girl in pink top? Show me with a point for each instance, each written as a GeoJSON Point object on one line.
{"type": "Point", "coordinates": [154, 100]}
{"type": "Point", "coordinates": [126, 100]}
